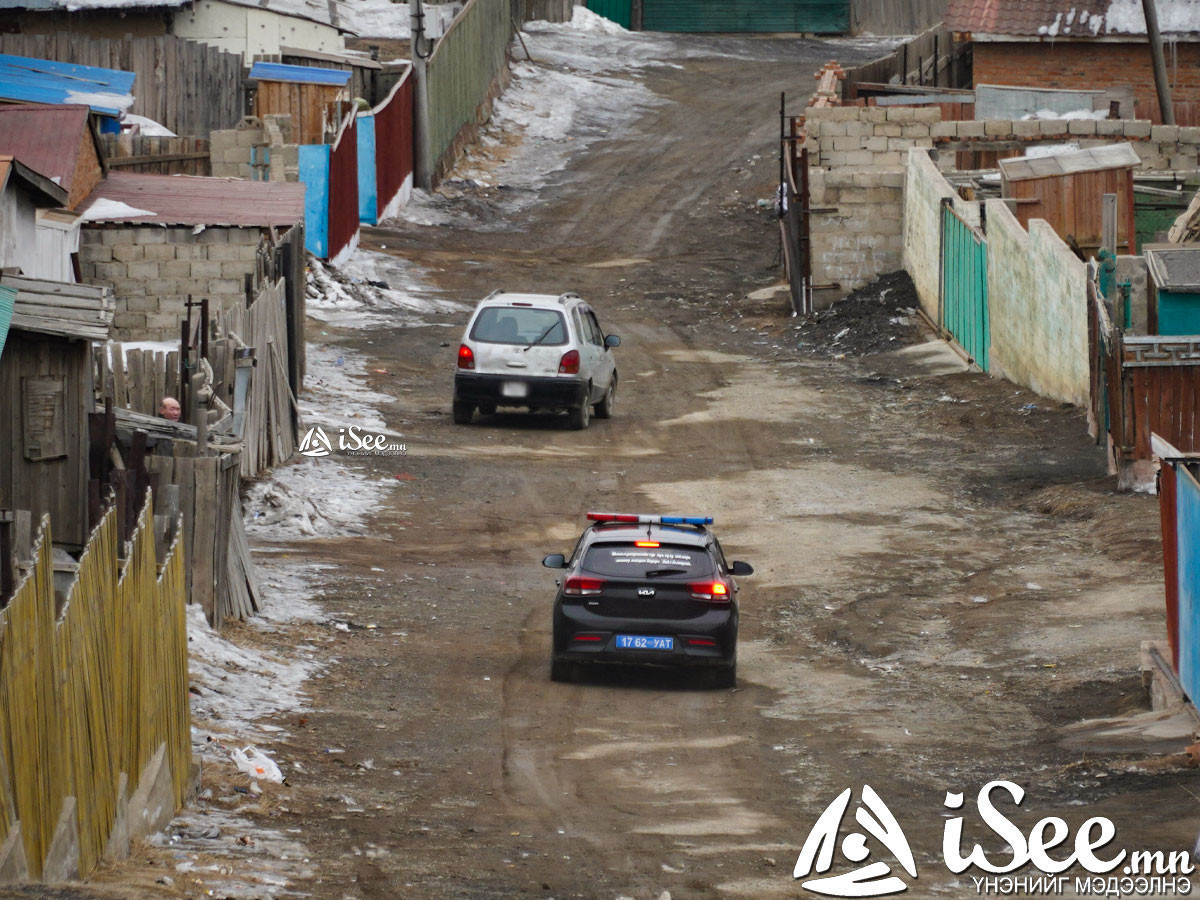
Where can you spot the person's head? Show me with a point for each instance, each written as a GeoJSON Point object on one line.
{"type": "Point", "coordinates": [169, 409]}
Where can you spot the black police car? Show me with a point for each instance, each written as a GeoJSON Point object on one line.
{"type": "Point", "coordinates": [646, 590]}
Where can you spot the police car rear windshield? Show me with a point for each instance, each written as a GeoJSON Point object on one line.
{"type": "Point", "coordinates": [631, 561]}
{"type": "Point", "coordinates": [520, 325]}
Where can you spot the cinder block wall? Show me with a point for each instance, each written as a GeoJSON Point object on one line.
{"type": "Point", "coordinates": [153, 269]}
{"type": "Point", "coordinates": [265, 141]}
{"type": "Point", "coordinates": [1091, 64]}
{"type": "Point", "coordinates": [858, 155]}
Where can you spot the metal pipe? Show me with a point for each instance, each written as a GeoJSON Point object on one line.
{"type": "Point", "coordinates": [1166, 110]}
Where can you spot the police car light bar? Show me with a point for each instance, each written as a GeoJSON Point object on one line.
{"type": "Point", "coordinates": [649, 520]}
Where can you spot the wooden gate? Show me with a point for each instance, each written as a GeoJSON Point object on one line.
{"type": "Point", "coordinates": [964, 312]}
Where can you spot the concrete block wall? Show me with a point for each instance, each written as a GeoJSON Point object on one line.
{"type": "Point", "coordinates": [153, 269]}
{"type": "Point", "coordinates": [856, 225]}
{"type": "Point", "coordinates": [1037, 300]}
{"type": "Point", "coordinates": [268, 139]}
{"type": "Point", "coordinates": [925, 192]}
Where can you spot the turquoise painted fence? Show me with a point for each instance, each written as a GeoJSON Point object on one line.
{"type": "Point", "coordinates": [964, 286]}
{"type": "Point", "coordinates": [619, 11]}
{"type": "Point", "coordinates": [1187, 530]}
{"type": "Point", "coordinates": [314, 172]}
{"type": "Point", "coordinates": [368, 196]}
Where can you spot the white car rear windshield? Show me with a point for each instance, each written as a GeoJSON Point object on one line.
{"type": "Point", "coordinates": [520, 325]}
{"type": "Point", "coordinates": [630, 561]}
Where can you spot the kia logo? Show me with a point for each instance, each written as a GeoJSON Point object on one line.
{"type": "Point", "coordinates": [645, 592]}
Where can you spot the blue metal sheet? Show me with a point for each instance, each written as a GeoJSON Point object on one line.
{"type": "Point", "coordinates": [1187, 524]}
{"type": "Point", "coordinates": [368, 190]}
{"type": "Point", "coordinates": [314, 172]}
{"type": "Point", "coordinates": [106, 91]}
{"type": "Point", "coordinates": [264, 71]}
{"type": "Point", "coordinates": [8, 297]}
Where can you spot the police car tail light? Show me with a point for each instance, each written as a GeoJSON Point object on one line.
{"type": "Point", "coordinates": [716, 591]}
{"type": "Point", "coordinates": [569, 364]}
{"type": "Point", "coordinates": [466, 357]}
{"type": "Point", "coordinates": [578, 586]}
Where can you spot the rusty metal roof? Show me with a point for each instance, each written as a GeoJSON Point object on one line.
{"type": "Point", "coordinates": [45, 192]}
{"type": "Point", "coordinates": [193, 200]}
{"type": "Point", "coordinates": [1065, 19]}
{"type": "Point", "coordinates": [45, 138]}
{"type": "Point", "coordinates": [1097, 159]}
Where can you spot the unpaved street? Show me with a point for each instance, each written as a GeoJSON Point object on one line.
{"type": "Point", "coordinates": [944, 581]}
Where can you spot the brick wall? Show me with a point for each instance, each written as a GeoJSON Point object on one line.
{"type": "Point", "coordinates": [152, 270]}
{"type": "Point", "coordinates": [257, 149]}
{"type": "Point", "coordinates": [1087, 65]}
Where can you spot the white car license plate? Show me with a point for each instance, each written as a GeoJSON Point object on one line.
{"type": "Point", "coordinates": [514, 389]}
{"type": "Point", "coordinates": [644, 642]}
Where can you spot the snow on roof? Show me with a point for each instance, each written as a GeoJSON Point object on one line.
{"type": "Point", "coordinates": [1095, 159]}
{"type": "Point", "coordinates": [326, 12]}
{"type": "Point", "coordinates": [1069, 18]}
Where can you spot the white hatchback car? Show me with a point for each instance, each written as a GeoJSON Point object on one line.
{"type": "Point", "coordinates": [537, 351]}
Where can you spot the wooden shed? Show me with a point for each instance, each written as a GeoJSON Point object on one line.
{"type": "Point", "coordinates": [46, 394]}
{"type": "Point", "coordinates": [316, 99]}
{"type": "Point", "coordinates": [1174, 307]}
{"type": "Point", "coordinates": [1067, 190]}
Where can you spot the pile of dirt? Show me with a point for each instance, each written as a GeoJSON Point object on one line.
{"type": "Point", "coordinates": [879, 317]}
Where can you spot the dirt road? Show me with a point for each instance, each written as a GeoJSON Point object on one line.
{"type": "Point", "coordinates": [944, 577]}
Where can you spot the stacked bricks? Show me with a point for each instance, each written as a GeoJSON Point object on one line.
{"type": "Point", "coordinates": [1092, 65]}
{"type": "Point", "coordinates": [867, 136]}
{"type": "Point", "coordinates": [857, 225]}
{"type": "Point", "coordinates": [153, 269]}
{"type": "Point", "coordinates": [266, 140]}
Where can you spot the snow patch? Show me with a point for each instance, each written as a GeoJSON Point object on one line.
{"type": "Point", "coordinates": [147, 127]}
{"type": "Point", "coordinates": [103, 209]}
{"type": "Point", "coordinates": [377, 18]}
{"type": "Point", "coordinates": [314, 498]}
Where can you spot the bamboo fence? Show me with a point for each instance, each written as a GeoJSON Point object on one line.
{"type": "Point", "coordinates": [91, 687]}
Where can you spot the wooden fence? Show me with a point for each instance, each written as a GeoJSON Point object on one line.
{"type": "Point", "coordinates": [157, 155]}
{"type": "Point", "coordinates": [1141, 384]}
{"type": "Point", "coordinates": [190, 88]}
{"type": "Point", "coordinates": [931, 58]}
{"type": "Point", "coordinates": [92, 691]}
{"type": "Point", "coordinates": [463, 75]}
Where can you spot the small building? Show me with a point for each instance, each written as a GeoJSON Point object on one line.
{"type": "Point", "coordinates": [317, 99]}
{"type": "Point", "coordinates": [23, 194]}
{"type": "Point", "coordinates": [107, 92]}
{"type": "Point", "coordinates": [1174, 285]}
{"type": "Point", "coordinates": [1088, 45]}
{"type": "Point", "coordinates": [157, 240]}
{"type": "Point", "coordinates": [1067, 190]}
{"type": "Point", "coordinates": [59, 142]}
{"type": "Point", "coordinates": [248, 27]}
{"type": "Point", "coordinates": [46, 394]}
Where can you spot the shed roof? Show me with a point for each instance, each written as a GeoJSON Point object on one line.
{"type": "Point", "coordinates": [62, 309]}
{"type": "Point", "coordinates": [195, 200]}
{"type": "Point", "coordinates": [46, 138]}
{"type": "Point", "coordinates": [1069, 18]}
{"type": "Point", "coordinates": [45, 191]}
{"type": "Point", "coordinates": [1096, 159]}
{"type": "Point", "coordinates": [264, 71]}
{"type": "Point", "coordinates": [105, 91]}
{"type": "Point", "coordinates": [1175, 268]}
{"type": "Point", "coordinates": [326, 12]}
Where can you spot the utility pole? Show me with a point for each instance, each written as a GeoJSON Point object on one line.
{"type": "Point", "coordinates": [422, 164]}
{"type": "Point", "coordinates": [1166, 110]}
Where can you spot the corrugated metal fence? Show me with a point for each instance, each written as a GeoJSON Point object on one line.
{"type": "Point", "coordinates": [92, 692]}
{"type": "Point", "coordinates": [191, 88]}
{"type": "Point", "coordinates": [462, 75]}
{"type": "Point", "coordinates": [1179, 500]}
{"type": "Point", "coordinates": [965, 286]}
{"type": "Point", "coordinates": [385, 154]}
{"type": "Point", "coordinates": [330, 175]}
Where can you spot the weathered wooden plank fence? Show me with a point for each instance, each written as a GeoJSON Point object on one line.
{"type": "Point", "coordinates": [92, 693]}
{"type": "Point", "coordinates": [157, 155]}
{"type": "Point", "coordinates": [190, 88]}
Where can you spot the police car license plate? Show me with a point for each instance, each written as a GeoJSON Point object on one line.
{"type": "Point", "coordinates": [644, 642]}
{"type": "Point", "coordinates": [514, 389]}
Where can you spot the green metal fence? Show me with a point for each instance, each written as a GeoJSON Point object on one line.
{"type": "Point", "coordinates": [964, 286]}
{"type": "Point", "coordinates": [619, 11]}
{"type": "Point", "coordinates": [462, 70]}
{"type": "Point", "coordinates": [755, 16]}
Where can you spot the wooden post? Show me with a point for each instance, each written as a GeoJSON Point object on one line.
{"type": "Point", "coordinates": [1161, 84]}
{"type": "Point", "coordinates": [8, 568]}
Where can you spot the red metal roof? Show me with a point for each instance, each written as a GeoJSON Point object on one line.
{"type": "Point", "coordinates": [192, 200]}
{"type": "Point", "coordinates": [1069, 18]}
{"type": "Point", "coordinates": [45, 138]}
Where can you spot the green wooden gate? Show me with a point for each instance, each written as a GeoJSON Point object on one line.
{"type": "Point", "coordinates": [964, 286]}
{"type": "Point", "coordinates": [761, 16]}
{"type": "Point", "coordinates": [619, 11]}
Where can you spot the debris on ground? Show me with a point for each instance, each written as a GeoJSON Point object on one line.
{"type": "Point", "coordinates": [879, 317]}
